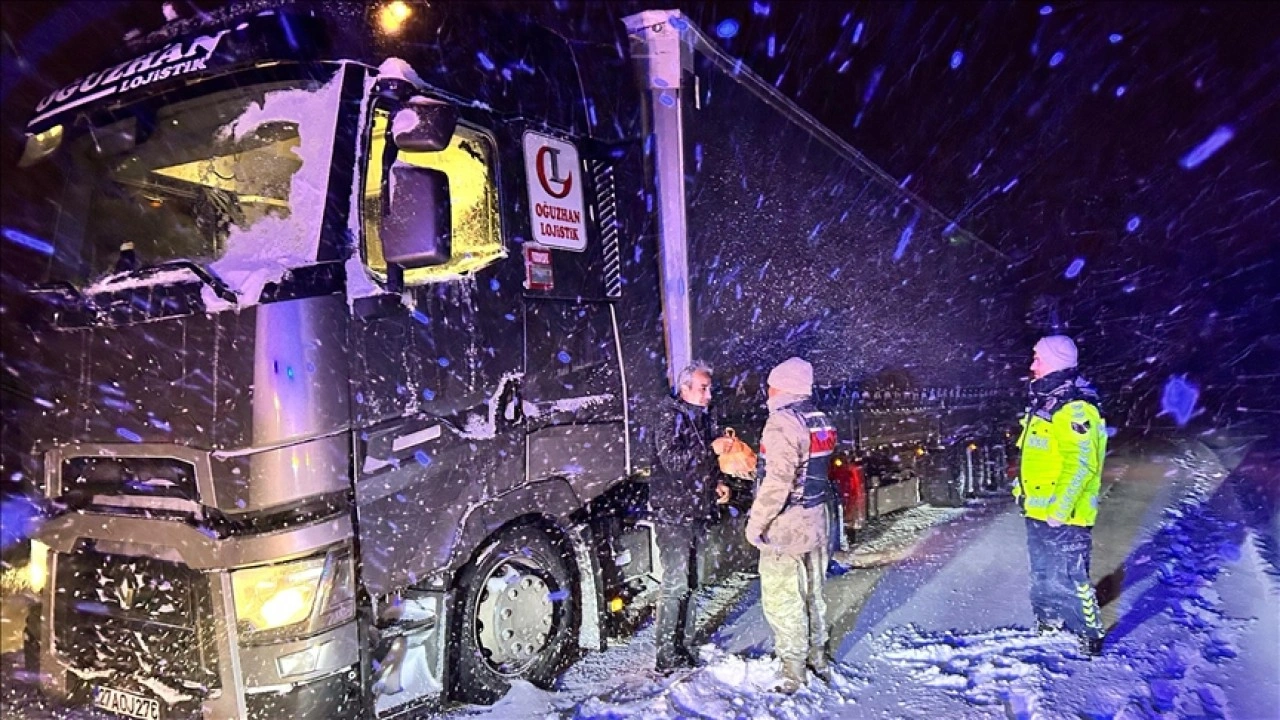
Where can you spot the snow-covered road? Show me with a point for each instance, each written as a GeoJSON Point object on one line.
{"type": "Point", "coordinates": [931, 620]}
{"type": "Point", "coordinates": [1187, 555]}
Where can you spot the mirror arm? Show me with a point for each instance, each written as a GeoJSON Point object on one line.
{"type": "Point", "coordinates": [395, 278]}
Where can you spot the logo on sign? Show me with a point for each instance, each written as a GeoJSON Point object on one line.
{"type": "Point", "coordinates": [555, 199]}
{"type": "Point", "coordinates": [548, 162]}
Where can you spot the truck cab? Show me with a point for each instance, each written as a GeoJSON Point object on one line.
{"type": "Point", "coordinates": [331, 415]}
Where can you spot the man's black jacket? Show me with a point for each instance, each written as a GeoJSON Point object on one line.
{"type": "Point", "coordinates": [683, 486]}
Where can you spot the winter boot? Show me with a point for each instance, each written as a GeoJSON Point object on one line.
{"type": "Point", "coordinates": [1048, 627]}
{"type": "Point", "coordinates": [1091, 646]}
{"type": "Point", "coordinates": [671, 659]}
{"type": "Point", "coordinates": [820, 665]}
{"type": "Point", "coordinates": [794, 677]}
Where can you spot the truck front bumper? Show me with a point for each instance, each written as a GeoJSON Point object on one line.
{"type": "Point", "coordinates": [204, 670]}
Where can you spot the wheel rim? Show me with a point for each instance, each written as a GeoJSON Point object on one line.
{"type": "Point", "coordinates": [514, 616]}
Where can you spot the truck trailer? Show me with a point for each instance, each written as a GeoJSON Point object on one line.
{"type": "Point", "coordinates": [338, 387]}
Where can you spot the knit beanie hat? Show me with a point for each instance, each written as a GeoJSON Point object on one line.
{"type": "Point", "coordinates": [793, 376]}
{"type": "Point", "coordinates": [1057, 352]}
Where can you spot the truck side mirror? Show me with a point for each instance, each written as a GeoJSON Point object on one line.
{"type": "Point", "coordinates": [416, 218]}
{"type": "Point", "coordinates": [424, 125]}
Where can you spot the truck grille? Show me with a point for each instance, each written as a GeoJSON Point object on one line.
{"type": "Point", "coordinates": [138, 617]}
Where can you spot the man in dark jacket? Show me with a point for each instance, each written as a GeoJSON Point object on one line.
{"type": "Point", "coordinates": [683, 494]}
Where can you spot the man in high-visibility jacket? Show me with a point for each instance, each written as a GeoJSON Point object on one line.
{"type": "Point", "coordinates": [1063, 444]}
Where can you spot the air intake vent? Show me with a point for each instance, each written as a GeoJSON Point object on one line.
{"type": "Point", "coordinates": [155, 477]}
{"type": "Point", "coordinates": [610, 234]}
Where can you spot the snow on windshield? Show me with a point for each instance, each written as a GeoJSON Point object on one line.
{"type": "Point", "coordinates": [264, 251]}
{"type": "Point", "coordinates": [232, 178]}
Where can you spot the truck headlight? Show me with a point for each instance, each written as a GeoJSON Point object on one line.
{"type": "Point", "coordinates": [294, 598]}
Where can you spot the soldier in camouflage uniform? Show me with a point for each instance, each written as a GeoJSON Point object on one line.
{"type": "Point", "coordinates": [789, 523]}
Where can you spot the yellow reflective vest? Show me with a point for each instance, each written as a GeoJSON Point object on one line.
{"type": "Point", "coordinates": [1061, 467]}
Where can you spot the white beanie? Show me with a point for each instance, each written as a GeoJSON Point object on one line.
{"type": "Point", "coordinates": [1057, 352]}
{"type": "Point", "coordinates": [793, 376]}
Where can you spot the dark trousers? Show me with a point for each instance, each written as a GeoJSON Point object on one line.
{"type": "Point", "coordinates": [674, 628]}
{"type": "Point", "coordinates": [1061, 592]}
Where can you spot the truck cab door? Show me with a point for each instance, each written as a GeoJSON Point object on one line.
{"type": "Point", "coordinates": [575, 384]}
{"type": "Point", "coordinates": [573, 395]}
{"type": "Point", "coordinates": [436, 376]}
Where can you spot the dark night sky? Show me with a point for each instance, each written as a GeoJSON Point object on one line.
{"type": "Point", "coordinates": [1062, 133]}
{"type": "Point", "coordinates": [1058, 132]}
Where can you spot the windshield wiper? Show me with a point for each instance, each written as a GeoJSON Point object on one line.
{"type": "Point", "coordinates": [57, 287]}
{"type": "Point", "coordinates": [220, 288]}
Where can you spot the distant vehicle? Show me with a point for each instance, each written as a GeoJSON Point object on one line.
{"type": "Point", "coordinates": [355, 321]}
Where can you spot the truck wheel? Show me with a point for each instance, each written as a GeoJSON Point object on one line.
{"type": "Point", "coordinates": [516, 617]}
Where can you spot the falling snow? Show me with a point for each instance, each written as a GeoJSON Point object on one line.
{"type": "Point", "coordinates": [908, 196]}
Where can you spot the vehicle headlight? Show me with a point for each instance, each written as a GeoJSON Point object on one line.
{"type": "Point", "coordinates": [294, 598]}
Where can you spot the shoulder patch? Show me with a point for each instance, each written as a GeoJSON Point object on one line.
{"type": "Point", "coordinates": [1081, 427]}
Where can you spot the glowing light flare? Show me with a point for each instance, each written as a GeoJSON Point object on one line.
{"type": "Point", "coordinates": [1179, 399]}
{"type": "Point", "coordinates": [1073, 270]}
{"type": "Point", "coordinates": [40, 146]}
{"type": "Point", "coordinates": [393, 16]}
{"type": "Point", "coordinates": [286, 608]}
{"type": "Point", "coordinates": [127, 434]}
{"type": "Point", "coordinates": [38, 567]}
{"type": "Point", "coordinates": [276, 596]}
{"type": "Point", "coordinates": [18, 237]}
{"type": "Point", "coordinates": [727, 28]}
{"type": "Point", "coordinates": [1206, 149]}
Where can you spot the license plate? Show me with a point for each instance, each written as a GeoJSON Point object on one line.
{"type": "Point", "coordinates": [126, 704]}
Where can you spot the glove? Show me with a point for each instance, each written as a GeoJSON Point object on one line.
{"type": "Point", "coordinates": [1053, 521]}
{"type": "Point", "coordinates": [722, 494]}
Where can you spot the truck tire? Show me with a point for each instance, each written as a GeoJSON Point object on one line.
{"type": "Point", "coordinates": [517, 616]}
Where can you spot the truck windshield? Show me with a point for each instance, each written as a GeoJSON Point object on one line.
{"type": "Point", "coordinates": [177, 179]}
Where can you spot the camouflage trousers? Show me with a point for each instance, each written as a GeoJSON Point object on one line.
{"type": "Point", "coordinates": [791, 594]}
